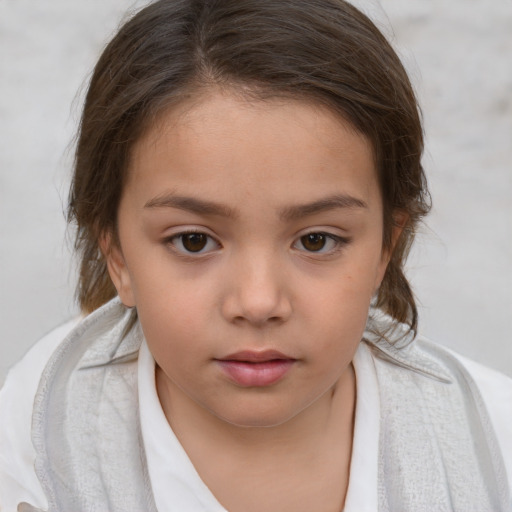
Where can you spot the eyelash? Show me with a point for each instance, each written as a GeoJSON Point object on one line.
{"type": "Point", "coordinates": [179, 238]}
{"type": "Point", "coordinates": [172, 241]}
{"type": "Point", "coordinates": [338, 242]}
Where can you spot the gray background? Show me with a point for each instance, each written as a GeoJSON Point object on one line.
{"type": "Point", "coordinates": [459, 55]}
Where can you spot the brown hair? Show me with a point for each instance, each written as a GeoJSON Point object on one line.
{"type": "Point", "coordinates": [321, 50]}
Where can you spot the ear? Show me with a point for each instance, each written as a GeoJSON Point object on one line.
{"type": "Point", "coordinates": [117, 268]}
{"type": "Point", "coordinates": [399, 220]}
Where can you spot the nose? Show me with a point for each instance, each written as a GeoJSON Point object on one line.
{"type": "Point", "coordinates": [256, 292]}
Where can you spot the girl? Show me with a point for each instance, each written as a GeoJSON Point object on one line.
{"type": "Point", "coordinates": [247, 185]}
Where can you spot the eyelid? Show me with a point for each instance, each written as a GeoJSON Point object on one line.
{"type": "Point", "coordinates": [340, 242]}
{"type": "Point", "coordinates": [169, 239]}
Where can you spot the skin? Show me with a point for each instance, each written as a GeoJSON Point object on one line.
{"type": "Point", "coordinates": [266, 174]}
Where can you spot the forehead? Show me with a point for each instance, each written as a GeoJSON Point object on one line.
{"type": "Point", "coordinates": [224, 144]}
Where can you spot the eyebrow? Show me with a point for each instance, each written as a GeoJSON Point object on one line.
{"type": "Point", "coordinates": [190, 204]}
{"type": "Point", "coordinates": [328, 203]}
{"type": "Point", "coordinates": [203, 207]}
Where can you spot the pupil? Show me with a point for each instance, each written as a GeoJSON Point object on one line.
{"type": "Point", "coordinates": [194, 242]}
{"type": "Point", "coordinates": [313, 241]}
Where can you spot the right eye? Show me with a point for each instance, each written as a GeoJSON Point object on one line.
{"type": "Point", "coordinates": [193, 242]}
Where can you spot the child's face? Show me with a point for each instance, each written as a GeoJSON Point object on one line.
{"type": "Point", "coordinates": [251, 245]}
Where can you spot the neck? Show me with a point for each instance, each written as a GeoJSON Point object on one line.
{"type": "Point", "coordinates": [317, 440]}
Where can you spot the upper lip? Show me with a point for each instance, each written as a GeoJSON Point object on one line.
{"type": "Point", "coordinates": [254, 356]}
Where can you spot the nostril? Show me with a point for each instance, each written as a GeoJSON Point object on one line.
{"type": "Point", "coordinates": [276, 319]}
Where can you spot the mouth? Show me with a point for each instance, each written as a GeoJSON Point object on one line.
{"type": "Point", "coordinates": [256, 369]}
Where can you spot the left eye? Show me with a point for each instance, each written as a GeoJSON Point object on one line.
{"type": "Point", "coordinates": [193, 243]}
{"type": "Point", "coordinates": [319, 242]}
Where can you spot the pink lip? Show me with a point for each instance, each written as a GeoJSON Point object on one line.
{"type": "Point", "coordinates": [256, 369]}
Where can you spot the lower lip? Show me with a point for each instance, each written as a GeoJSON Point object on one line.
{"type": "Point", "coordinates": [260, 374]}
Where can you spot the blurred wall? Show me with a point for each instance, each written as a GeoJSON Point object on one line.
{"type": "Point", "coordinates": [459, 55]}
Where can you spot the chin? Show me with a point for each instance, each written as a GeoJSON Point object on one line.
{"type": "Point", "coordinates": [256, 422]}
{"type": "Point", "coordinates": [258, 417]}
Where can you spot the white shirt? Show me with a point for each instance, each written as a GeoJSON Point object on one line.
{"type": "Point", "coordinates": [175, 482]}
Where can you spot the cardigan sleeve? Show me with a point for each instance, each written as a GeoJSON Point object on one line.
{"type": "Point", "coordinates": [18, 481]}
{"type": "Point", "coordinates": [496, 391]}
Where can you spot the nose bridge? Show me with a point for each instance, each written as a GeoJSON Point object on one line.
{"type": "Point", "coordinates": [257, 290]}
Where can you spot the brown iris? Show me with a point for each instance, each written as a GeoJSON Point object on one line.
{"type": "Point", "coordinates": [194, 242]}
{"type": "Point", "coordinates": [313, 241]}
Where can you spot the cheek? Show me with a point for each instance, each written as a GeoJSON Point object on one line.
{"type": "Point", "coordinates": [163, 289]}
{"type": "Point", "coordinates": [340, 307]}
{"type": "Point", "coordinates": [176, 317]}
{"type": "Point", "coordinates": [344, 323]}
{"type": "Point", "coordinates": [349, 291]}
{"type": "Point", "coordinates": [169, 314]}
{"type": "Point", "coordinates": [174, 342]}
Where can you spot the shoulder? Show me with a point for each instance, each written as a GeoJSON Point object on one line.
{"type": "Point", "coordinates": [494, 388]}
{"type": "Point", "coordinates": [416, 370]}
{"type": "Point", "coordinates": [23, 378]}
{"type": "Point", "coordinates": [17, 477]}
{"type": "Point", "coordinates": [496, 391]}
